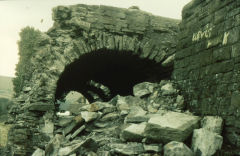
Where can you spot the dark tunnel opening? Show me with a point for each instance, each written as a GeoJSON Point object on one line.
{"type": "Point", "coordinates": [117, 71]}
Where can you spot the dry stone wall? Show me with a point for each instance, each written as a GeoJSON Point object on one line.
{"type": "Point", "coordinates": [207, 62]}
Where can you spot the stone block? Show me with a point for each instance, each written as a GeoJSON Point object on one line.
{"type": "Point", "coordinates": [171, 126]}
{"type": "Point", "coordinates": [212, 123]}
{"type": "Point", "coordinates": [205, 142]}
{"type": "Point", "coordinates": [134, 132]}
{"type": "Point", "coordinates": [143, 89]}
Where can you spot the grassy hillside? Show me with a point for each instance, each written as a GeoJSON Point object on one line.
{"type": "Point", "coordinates": [6, 87]}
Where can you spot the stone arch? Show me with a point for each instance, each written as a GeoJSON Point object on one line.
{"type": "Point", "coordinates": [144, 49]}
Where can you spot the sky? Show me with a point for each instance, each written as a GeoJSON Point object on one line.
{"type": "Point", "coordinates": [17, 14]}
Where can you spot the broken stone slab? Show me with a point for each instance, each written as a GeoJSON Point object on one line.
{"type": "Point", "coordinates": [205, 142]}
{"type": "Point", "coordinates": [79, 130]}
{"type": "Point", "coordinates": [212, 123]}
{"type": "Point", "coordinates": [109, 117]}
{"type": "Point", "coordinates": [75, 145]}
{"type": "Point", "coordinates": [39, 152]}
{"type": "Point", "coordinates": [136, 113]}
{"type": "Point", "coordinates": [64, 151]}
{"type": "Point", "coordinates": [134, 132]}
{"type": "Point", "coordinates": [168, 89]}
{"type": "Point", "coordinates": [40, 106]}
{"type": "Point", "coordinates": [77, 121]}
{"type": "Point", "coordinates": [96, 106]}
{"type": "Point", "coordinates": [143, 89]}
{"type": "Point", "coordinates": [127, 149]}
{"type": "Point", "coordinates": [153, 148]}
{"type": "Point", "coordinates": [171, 126]}
{"type": "Point", "coordinates": [175, 148]}
{"type": "Point", "coordinates": [89, 116]}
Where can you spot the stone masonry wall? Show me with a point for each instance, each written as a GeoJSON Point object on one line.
{"type": "Point", "coordinates": [207, 62]}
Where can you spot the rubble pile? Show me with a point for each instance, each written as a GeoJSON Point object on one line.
{"type": "Point", "coordinates": [153, 122]}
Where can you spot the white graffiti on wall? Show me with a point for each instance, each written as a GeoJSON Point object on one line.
{"type": "Point", "coordinates": [206, 33]}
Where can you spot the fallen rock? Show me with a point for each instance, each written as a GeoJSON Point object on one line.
{"type": "Point", "coordinates": [153, 148]}
{"type": "Point", "coordinates": [109, 117]}
{"type": "Point", "coordinates": [175, 148]}
{"type": "Point", "coordinates": [96, 106]}
{"type": "Point", "coordinates": [168, 89]}
{"type": "Point", "coordinates": [128, 149]}
{"type": "Point", "coordinates": [212, 123]}
{"type": "Point", "coordinates": [136, 115]}
{"type": "Point", "coordinates": [171, 126]}
{"type": "Point", "coordinates": [73, 101]}
{"type": "Point", "coordinates": [89, 116]}
{"type": "Point", "coordinates": [125, 103]}
{"type": "Point", "coordinates": [143, 89]}
{"type": "Point", "coordinates": [134, 132]}
{"type": "Point", "coordinates": [39, 152]}
{"type": "Point", "coordinates": [205, 142]}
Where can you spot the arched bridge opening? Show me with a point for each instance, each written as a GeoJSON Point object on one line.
{"type": "Point", "coordinates": [107, 73]}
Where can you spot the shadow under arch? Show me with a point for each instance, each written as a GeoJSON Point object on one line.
{"type": "Point", "coordinates": [119, 71]}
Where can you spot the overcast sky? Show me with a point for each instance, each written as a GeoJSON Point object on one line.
{"type": "Point", "coordinates": [16, 14]}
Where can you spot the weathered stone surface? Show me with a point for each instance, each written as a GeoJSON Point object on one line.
{"type": "Point", "coordinates": [134, 132]}
{"type": "Point", "coordinates": [96, 106]}
{"type": "Point", "coordinates": [39, 152]}
{"type": "Point", "coordinates": [177, 148]}
{"type": "Point", "coordinates": [213, 124]}
{"type": "Point", "coordinates": [89, 116]}
{"type": "Point", "coordinates": [73, 101]}
{"type": "Point", "coordinates": [168, 89]}
{"type": "Point", "coordinates": [171, 126]}
{"type": "Point", "coordinates": [153, 148]}
{"type": "Point", "coordinates": [143, 89]}
{"type": "Point", "coordinates": [136, 115]}
{"type": "Point", "coordinates": [205, 142]}
{"type": "Point", "coordinates": [128, 149]}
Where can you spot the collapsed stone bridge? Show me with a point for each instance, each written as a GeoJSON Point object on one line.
{"type": "Point", "coordinates": [99, 51]}
{"type": "Point", "coordinates": [103, 51]}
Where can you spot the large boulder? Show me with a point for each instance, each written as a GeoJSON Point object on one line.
{"type": "Point", "coordinates": [73, 101]}
{"type": "Point", "coordinates": [205, 142]}
{"type": "Point", "coordinates": [171, 126]}
{"type": "Point", "coordinates": [175, 148]}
